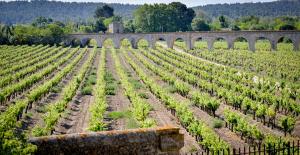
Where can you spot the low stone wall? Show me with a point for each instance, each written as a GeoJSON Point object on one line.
{"type": "Point", "coordinates": [161, 140]}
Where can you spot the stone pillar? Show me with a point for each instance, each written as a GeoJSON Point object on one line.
{"type": "Point", "coordinates": [273, 45]}
{"type": "Point", "coordinates": [99, 43]}
{"type": "Point", "coordinates": [188, 43]}
{"type": "Point", "coordinates": [117, 43]}
{"type": "Point", "coordinates": [210, 44]}
{"type": "Point", "coordinates": [296, 45]}
{"type": "Point", "coordinates": [152, 44]}
{"type": "Point", "coordinates": [251, 44]}
{"type": "Point", "coordinates": [134, 44]}
{"type": "Point", "coordinates": [170, 43]}
{"type": "Point", "coordinates": [230, 44]}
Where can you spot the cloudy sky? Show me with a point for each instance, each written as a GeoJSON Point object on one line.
{"type": "Point", "coordinates": [187, 2]}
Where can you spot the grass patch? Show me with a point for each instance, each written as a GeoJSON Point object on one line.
{"type": "Point", "coordinates": [136, 83]}
{"type": "Point", "coordinates": [87, 90]}
{"type": "Point", "coordinates": [172, 89]}
{"type": "Point", "coordinates": [131, 124]}
{"type": "Point", "coordinates": [111, 85]}
{"type": "Point", "coordinates": [119, 114]}
{"type": "Point", "coordinates": [90, 80]}
{"type": "Point", "coordinates": [144, 95]}
{"type": "Point", "coordinates": [56, 89]}
{"type": "Point", "coordinates": [217, 123]}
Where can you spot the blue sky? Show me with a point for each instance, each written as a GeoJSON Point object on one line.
{"type": "Point", "coordinates": [187, 2]}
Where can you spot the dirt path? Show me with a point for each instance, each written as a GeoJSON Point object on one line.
{"type": "Point", "coordinates": [38, 108]}
{"type": "Point", "coordinates": [118, 102]}
{"type": "Point", "coordinates": [77, 118]}
{"type": "Point", "coordinates": [160, 112]}
{"type": "Point", "coordinates": [66, 123]}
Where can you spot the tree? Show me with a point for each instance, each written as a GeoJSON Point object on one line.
{"type": "Point", "coordinates": [41, 22]}
{"type": "Point", "coordinates": [223, 22]}
{"type": "Point", "coordinates": [99, 26]}
{"type": "Point", "coordinates": [129, 26]}
{"type": "Point", "coordinates": [6, 34]}
{"type": "Point", "coordinates": [199, 24]}
{"type": "Point", "coordinates": [104, 11]}
{"type": "Point", "coordinates": [163, 18]}
{"type": "Point", "coordinates": [287, 123]}
{"type": "Point", "coordinates": [287, 27]}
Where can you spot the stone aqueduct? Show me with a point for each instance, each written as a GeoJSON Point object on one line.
{"type": "Point", "coordinates": [190, 37]}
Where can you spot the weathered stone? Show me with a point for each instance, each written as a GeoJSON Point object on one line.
{"type": "Point", "coordinates": [191, 37]}
{"type": "Point", "coordinates": [162, 140]}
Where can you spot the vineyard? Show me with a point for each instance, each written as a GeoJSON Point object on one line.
{"type": "Point", "coordinates": [222, 100]}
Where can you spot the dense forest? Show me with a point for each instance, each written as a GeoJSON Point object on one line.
{"type": "Point", "coordinates": [25, 12]}
{"type": "Point", "coordinates": [266, 9]}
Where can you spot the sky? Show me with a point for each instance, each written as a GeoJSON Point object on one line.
{"type": "Point", "coordinates": [189, 3]}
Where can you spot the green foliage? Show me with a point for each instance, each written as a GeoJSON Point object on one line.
{"type": "Point", "coordinates": [45, 34]}
{"type": "Point", "coordinates": [104, 12]}
{"type": "Point", "coordinates": [217, 123]}
{"type": "Point", "coordinates": [111, 84]}
{"type": "Point", "coordinates": [223, 21]}
{"type": "Point", "coordinates": [163, 18]}
{"type": "Point", "coordinates": [199, 24]}
{"type": "Point", "coordinates": [99, 25]}
{"type": "Point", "coordinates": [119, 114]}
{"type": "Point", "coordinates": [87, 90]}
{"type": "Point", "coordinates": [287, 123]}
{"type": "Point", "coordinates": [182, 88]}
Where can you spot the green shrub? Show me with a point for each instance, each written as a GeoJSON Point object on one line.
{"type": "Point", "coordinates": [87, 90]}
{"type": "Point", "coordinates": [218, 123]}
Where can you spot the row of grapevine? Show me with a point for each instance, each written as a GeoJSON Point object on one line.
{"type": "Point", "coordinates": [282, 65]}
{"type": "Point", "coordinates": [55, 110]}
{"type": "Point", "coordinates": [11, 141]}
{"type": "Point", "coordinates": [36, 52]}
{"type": "Point", "coordinates": [10, 51]}
{"type": "Point", "coordinates": [18, 54]}
{"type": "Point", "coordinates": [284, 102]}
{"type": "Point", "coordinates": [208, 138]}
{"type": "Point", "coordinates": [9, 78]}
{"type": "Point", "coordinates": [98, 107]}
{"type": "Point", "coordinates": [251, 133]}
{"type": "Point", "coordinates": [11, 91]}
{"type": "Point", "coordinates": [244, 103]}
{"type": "Point", "coordinates": [31, 60]}
{"type": "Point", "coordinates": [140, 108]}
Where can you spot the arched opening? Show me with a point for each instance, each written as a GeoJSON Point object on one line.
{"type": "Point", "coordinates": [285, 44]}
{"type": "Point", "coordinates": [179, 42]}
{"type": "Point", "coordinates": [262, 44]}
{"type": "Point", "coordinates": [220, 43]}
{"type": "Point", "coordinates": [241, 43]}
{"type": "Point", "coordinates": [125, 43]}
{"type": "Point", "coordinates": [76, 42]}
{"type": "Point", "coordinates": [142, 43]}
{"type": "Point", "coordinates": [92, 43]}
{"type": "Point", "coordinates": [161, 42]}
{"type": "Point", "coordinates": [200, 43]}
{"type": "Point", "coordinates": [108, 43]}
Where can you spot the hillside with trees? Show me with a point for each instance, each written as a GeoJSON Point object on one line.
{"type": "Point", "coordinates": [25, 12]}
{"type": "Point", "coordinates": [265, 9]}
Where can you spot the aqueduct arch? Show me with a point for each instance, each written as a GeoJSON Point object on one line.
{"type": "Point", "coordinates": [190, 38]}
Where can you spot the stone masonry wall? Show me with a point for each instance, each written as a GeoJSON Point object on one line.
{"type": "Point", "coordinates": [161, 140]}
